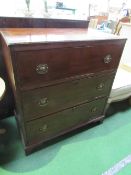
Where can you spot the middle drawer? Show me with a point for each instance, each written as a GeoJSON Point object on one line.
{"type": "Point", "coordinates": [51, 99]}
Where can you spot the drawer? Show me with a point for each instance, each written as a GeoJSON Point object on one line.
{"type": "Point", "coordinates": [51, 126]}
{"type": "Point", "coordinates": [47, 100]}
{"type": "Point", "coordinates": [37, 68]}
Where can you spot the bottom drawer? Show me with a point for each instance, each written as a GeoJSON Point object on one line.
{"type": "Point", "coordinates": [48, 127]}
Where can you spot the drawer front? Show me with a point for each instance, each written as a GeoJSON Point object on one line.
{"type": "Point", "coordinates": [35, 68]}
{"type": "Point", "coordinates": [53, 125]}
{"type": "Point", "coordinates": [47, 100]}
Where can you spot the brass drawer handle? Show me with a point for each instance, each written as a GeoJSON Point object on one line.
{"type": "Point", "coordinates": [42, 69]}
{"type": "Point", "coordinates": [43, 128]}
{"type": "Point", "coordinates": [94, 109]}
{"type": "Point", "coordinates": [107, 59]}
{"type": "Point", "coordinates": [100, 86]}
{"type": "Point", "coordinates": [43, 102]}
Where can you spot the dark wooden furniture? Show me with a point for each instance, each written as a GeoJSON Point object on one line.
{"type": "Point", "coordinates": [21, 22]}
{"type": "Point", "coordinates": [61, 78]}
{"type": "Point", "coordinates": [7, 103]}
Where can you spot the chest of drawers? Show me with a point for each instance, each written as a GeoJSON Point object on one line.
{"type": "Point", "coordinates": [61, 78]}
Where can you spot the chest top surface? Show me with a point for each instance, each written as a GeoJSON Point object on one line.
{"type": "Point", "coordinates": [16, 36]}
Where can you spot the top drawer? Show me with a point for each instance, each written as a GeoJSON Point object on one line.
{"type": "Point", "coordinates": [38, 67]}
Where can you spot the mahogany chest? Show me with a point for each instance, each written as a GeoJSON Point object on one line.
{"type": "Point", "coordinates": [61, 78]}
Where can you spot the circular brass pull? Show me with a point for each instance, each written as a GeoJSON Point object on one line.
{"type": "Point", "coordinates": [94, 109]}
{"type": "Point", "coordinates": [107, 59]}
{"type": "Point", "coordinates": [43, 128]}
{"type": "Point", "coordinates": [43, 102]}
{"type": "Point", "coordinates": [42, 69]}
{"type": "Point", "coordinates": [100, 86]}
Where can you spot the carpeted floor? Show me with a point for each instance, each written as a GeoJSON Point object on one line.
{"type": "Point", "coordinates": [94, 151]}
